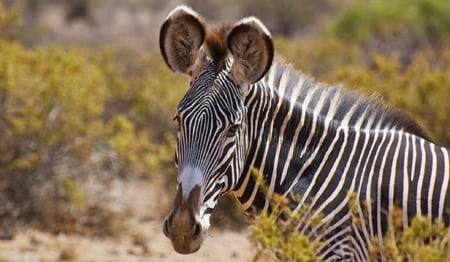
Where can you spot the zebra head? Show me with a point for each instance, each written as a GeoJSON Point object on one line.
{"type": "Point", "coordinates": [221, 63]}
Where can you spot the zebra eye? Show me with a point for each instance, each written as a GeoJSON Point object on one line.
{"type": "Point", "coordinates": [232, 130]}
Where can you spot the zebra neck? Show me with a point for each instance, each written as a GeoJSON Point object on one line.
{"type": "Point", "coordinates": [291, 120]}
{"type": "Point", "coordinates": [284, 142]}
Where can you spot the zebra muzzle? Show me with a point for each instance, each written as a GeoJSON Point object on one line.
{"type": "Point", "coordinates": [181, 225]}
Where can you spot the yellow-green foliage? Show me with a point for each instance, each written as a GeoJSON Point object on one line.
{"type": "Point", "coordinates": [420, 88]}
{"type": "Point", "coordinates": [49, 97]}
{"type": "Point", "coordinates": [69, 114]}
{"type": "Point", "coordinates": [410, 68]}
{"type": "Point", "coordinates": [364, 19]}
{"type": "Point", "coordinates": [275, 239]}
{"type": "Point", "coordinates": [271, 241]}
{"type": "Point", "coordinates": [422, 240]}
{"type": "Point", "coordinates": [73, 191]}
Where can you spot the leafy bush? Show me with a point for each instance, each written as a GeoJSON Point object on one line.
{"type": "Point", "coordinates": [364, 19]}
{"type": "Point", "coordinates": [274, 239]}
{"type": "Point", "coordinates": [419, 88]}
{"type": "Point", "coordinates": [51, 106]}
{"type": "Point", "coordinates": [423, 240]}
{"type": "Point", "coordinates": [70, 119]}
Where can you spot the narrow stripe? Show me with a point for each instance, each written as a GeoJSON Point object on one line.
{"type": "Point", "coordinates": [397, 137]}
{"type": "Point", "coordinates": [406, 173]}
{"type": "Point", "coordinates": [432, 179]}
{"type": "Point", "coordinates": [444, 188]}
{"type": "Point", "coordinates": [422, 160]}
{"type": "Point", "coordinates": [379, 211]}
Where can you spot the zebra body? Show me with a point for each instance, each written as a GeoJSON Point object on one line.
{"type": "Point", "coordinates": [246, 112]}
{"type": "Point", "coordinates": [323, 157]}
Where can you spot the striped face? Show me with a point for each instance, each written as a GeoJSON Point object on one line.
{"type": "Point", "coordinates": [221, 63]}
{"type": "Point", "coordinates": [210, 120]}
{"type": "Point", "coordinates": [209, 151]}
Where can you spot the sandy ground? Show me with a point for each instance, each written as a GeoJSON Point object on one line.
{"type": "Point", "coordinates": [31, 245]}
{"type": "Point", "coordinates": [142, 241]}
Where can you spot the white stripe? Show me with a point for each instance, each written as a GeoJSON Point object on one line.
{"type": "Point", "coordinates": [313, 182]}
{"type": "Point", "coordinates": [432, 179]}
{"type": "Point", "coordinates": [392, 176]}
{"type": "Point", "coordinates": [304, 110]}
{"type": "Point", "coordinates": [239, 192]}
{"type": "Point", "coordinates": [361, 173]}
{"type": "Point", "coordinates": [295, 94]}
{"type": "Point", "coordinates": [380, 183]}
{"type": "Point", "coordinates": [370, 178]}
{"type": "Point", "coordinates": [423, 160]}
{"type": "Point", "coordinates": [315, 121]}
{"type": "Point", "coordinates": [273, 176]}
{"type": "Point", "coordinates": [333, 173]}
{"type": "Point", "coordinates": [444, 183]}
{"type": "Point", "coordinates": [405, 192]}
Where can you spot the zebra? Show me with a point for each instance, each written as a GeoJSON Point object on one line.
{"type": "Point", "coordinates": [246, 110]}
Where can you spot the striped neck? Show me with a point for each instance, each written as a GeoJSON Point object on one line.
{"type": "Point", "coordinates": [291, 120]}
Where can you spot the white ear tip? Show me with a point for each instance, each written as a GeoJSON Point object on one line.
{"type": "Point", "coordinates": [183, 9]}
{"type": "Point", "coordinates": [252, 19]}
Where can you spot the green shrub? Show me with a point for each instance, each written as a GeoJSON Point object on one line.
{"type": "Point", "coordinates": [422, 240]}
{"type": "Point", "coordinates": [419, 88]}
{"type": "Point", "coordinates": [364, 19]}
{"type": "Point", "coordinates": [51, 106]}
{"type": "Point", "coordinates": [49, 97]}
{"type": "Point", "coordinates": [275, 240]}
{"type": "Point", "coordinates": [70, 117]}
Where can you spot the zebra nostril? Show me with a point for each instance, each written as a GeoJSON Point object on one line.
{"type": "Point", "coordinates": [166, 228]}
{"type": "Point", "coordinates": [197, 231]}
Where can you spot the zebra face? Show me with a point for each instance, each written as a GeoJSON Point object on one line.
{"type": "Point", "coordinates": [221, 63]}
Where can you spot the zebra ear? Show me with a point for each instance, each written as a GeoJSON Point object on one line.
{"type": "Point", "coordinates": [251, 45]}
{"type": "Point", "coordinates": [180, 38]}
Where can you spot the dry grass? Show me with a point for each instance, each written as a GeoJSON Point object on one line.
{"type": "Point", "coordinates": [68, 253]}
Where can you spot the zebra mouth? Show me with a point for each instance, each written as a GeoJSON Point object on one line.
{"type": "Point", "coordinates": [181, 225]}
{"type": "Point", "coordinates": [185, 243]}
{"type": "Point", "coordinates": [187, 249]}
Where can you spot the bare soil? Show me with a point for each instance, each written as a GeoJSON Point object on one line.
{"type": "Point", "coordinates": [142, 240]}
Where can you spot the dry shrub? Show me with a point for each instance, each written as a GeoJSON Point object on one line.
{"type": "Point", "coordinates": [71, 121]}
{"type": "Point", "coordinates": [68, 253]}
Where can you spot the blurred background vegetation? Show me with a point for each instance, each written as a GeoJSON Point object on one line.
{"type": "Point", "coordinates": [86, 100]}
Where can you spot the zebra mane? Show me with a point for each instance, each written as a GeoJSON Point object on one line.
{"type": "Point", "coordinates": [347, 106]}
{"type": "Point", "coordinates": [216, 44]}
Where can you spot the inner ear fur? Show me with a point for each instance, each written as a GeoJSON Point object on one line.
{"type": "Point", "coordinates": [252, 49]}
{"type": "Point", "coordinates": [180, 38]}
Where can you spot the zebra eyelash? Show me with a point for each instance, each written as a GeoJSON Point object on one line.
{"type": "Point", "coordinates": [232, 128]}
